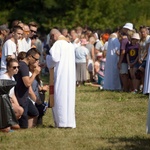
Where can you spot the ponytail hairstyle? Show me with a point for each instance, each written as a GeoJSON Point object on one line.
{"type": "Point", "coordinates": [21, 56]}
{"type": "Point", "coordinates": [9, 61]}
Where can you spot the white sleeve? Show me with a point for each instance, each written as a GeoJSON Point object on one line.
{"type": "Point", "coordinates": [49, 62]}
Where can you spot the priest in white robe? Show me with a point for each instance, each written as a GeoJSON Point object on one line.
{"type": "Point", "coordinates": [62, 58]}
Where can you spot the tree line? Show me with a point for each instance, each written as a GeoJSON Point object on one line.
{"type": "Point", "coordinates": [97, 14]}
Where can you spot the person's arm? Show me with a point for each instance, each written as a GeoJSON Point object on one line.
{"type": "Point", "coordinates": [146, 52]}
{"type": "Point", "coordinates": [93, 54]}
{"type": "Point", "coordinates": [98, 47]}
{"type": "Point", "coordinates": [136, 60]}
{"type": "Point", "coordinates": [29, 80]}
{"type": "Point", "coordinates": [96, 67]}
{"type": "Point", "coordinates": [121, 58]}
{"type": "Point", "coordinates": [44, 88]}
{"type": "Point", "coordinates": [54, 57]}
{"type": "Point", "coordinates": [128, 59]}
{"type": "Point", "coordinates": [33, 96]}
{"type": "Point", "coordinates": [87, 60]}
{"type": "Point", "coordinates": [14, 99]}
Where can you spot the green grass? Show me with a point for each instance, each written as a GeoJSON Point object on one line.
{"type": "Point", "coordinates": [105, 121]}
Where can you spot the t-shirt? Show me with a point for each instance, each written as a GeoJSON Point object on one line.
{"type": "Point", "coordinates": [143, 46]}
{"type": "Point", "coordinates": [21, 90]}
{"type": "Point", "coordinates": [9, 49]}
{"type": "Point", "coordinates": [24, 45]}
{"type": "Point", "coordinates": [80, 54]}
{"type": "Point", "coordinates": [123, 46]}
{"type": "Point", "coordinates": [89, 47]}
{"type": "Point", "coordinates": [132, 51]}
{"type": "Point", "coordinates": [99, 46]}
{"type": "Point", "coordinates": [102, 67]}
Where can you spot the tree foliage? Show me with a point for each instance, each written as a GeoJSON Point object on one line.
{"type": "Point", "coordinates": [97, 14]}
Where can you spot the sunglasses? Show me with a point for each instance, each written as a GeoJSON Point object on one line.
{"type": "Point", "coordinates": [15, 67]}
{"type": "Point", "coordinates": [33, 31]}
{"type": "Point", "coordinates": [35, 58]}
{"type": "Point", "coordinates": [27, 32]}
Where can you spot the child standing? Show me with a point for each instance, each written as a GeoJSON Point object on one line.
{"type": "Point", "coordinates": [132, 59]}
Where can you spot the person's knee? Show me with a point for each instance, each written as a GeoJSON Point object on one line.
{"type": "Point", "coordinates": [20, 111]}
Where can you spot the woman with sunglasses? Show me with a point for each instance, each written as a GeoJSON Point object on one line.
{"type": "Point", "coordinates": [12, 69]}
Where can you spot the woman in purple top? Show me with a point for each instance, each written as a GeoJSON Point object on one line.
{"type": "Point", "coordinates": [132, 59]}
{"type": "Point", "coordinates": [122, 64]}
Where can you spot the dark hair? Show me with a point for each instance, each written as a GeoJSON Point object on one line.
{"type": "Point", "coordinates": [34, 37]}
{"type": "Point", "coordinates": [117, 29]}
{"type": "Point", "coordinates": [10, 60]}
{"type": "Point", "coordinates": [15, 28]}
{"type": "Point", "coordinates": [34, 24]}
{"type": "Point", "coordinates": [32, 51]}
{"type": "Point", "coordinates": [21, 56]}
{"type": "Point", "coordinates": [142, 27]}
{"type": "Point", "coordinates": [16, 23]}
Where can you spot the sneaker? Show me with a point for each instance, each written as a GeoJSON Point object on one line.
{"type": "Point", "coordinates": [100, 87]}
{"type": "Point", "coordinates": [135, 91]}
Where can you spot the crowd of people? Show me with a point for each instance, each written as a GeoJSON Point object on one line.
{"type": "Point", "coordinates": [115, 60]}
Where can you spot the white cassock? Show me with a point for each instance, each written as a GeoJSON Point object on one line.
{"type": "Point", "coordinates": [147, 89]}
{"type": "Point", "coordinates": [62, 58]}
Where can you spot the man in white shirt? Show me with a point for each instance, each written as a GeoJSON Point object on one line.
{"type": "Point", "coordinates": [10, 47]}
{"type": "Point", "coordinates": [25, 44]}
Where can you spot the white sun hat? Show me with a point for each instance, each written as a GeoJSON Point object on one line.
{"type": "Point", "coordinates": [128, 26]}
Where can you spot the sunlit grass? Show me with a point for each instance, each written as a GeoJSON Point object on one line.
{"type": "Point", "coordinates": [105, 121]}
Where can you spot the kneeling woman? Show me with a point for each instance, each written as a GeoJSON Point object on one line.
{"type": "Point", "coordinates": [12, 69]}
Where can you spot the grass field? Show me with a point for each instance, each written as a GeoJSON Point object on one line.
{"type": "Point", "coordinates": [105, 121]}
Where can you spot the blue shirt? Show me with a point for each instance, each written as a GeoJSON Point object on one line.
{"type": "Point", "coordinates": [81, 53]}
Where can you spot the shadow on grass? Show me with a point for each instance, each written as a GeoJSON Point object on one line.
{"type": "Point", "coordinates": [132, 143]}
{"type": "Point", "coordinates": [96, 90]}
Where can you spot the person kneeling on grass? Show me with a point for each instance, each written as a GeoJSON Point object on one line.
{"type": "Point", "coordinates": [12, 69]}
{"type": "Point", "coordinates": [99, 68]}
{"type": "Point", "coordinates": [38, 92]}
{"type": "Point", "coordinates": [25, 81]}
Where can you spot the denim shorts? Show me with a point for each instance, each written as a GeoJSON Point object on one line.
{"type": "Point", "coordinates": [136, 65]}
{"type": "Point", "coordinates": [143, 65]}
{"type": "Point", "coordinates": [100, 80]}
{"type": "Point", "coordinates": [124, 68]}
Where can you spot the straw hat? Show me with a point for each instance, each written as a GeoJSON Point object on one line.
{"type": "Point", "coordinates": [136, 36]}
